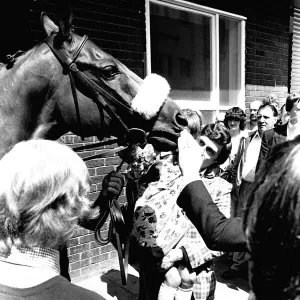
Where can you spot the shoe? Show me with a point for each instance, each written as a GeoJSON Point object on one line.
{"type": "Point", "coordinates": [230, 274]}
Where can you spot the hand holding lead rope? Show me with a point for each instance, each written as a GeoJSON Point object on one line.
{"type": "Point", "coordinates": [112, 186]}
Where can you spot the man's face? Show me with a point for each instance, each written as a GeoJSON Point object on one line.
{"type": "Point", "coordinates": [253, 111]}
{"type": "Point", "coordinates": [265, 119]}
{"type": "Point", "coordinates": [210, 150]}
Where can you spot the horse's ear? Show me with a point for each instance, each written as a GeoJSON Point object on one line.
{"type": "Point", "coordinates": [48, 24]}
{"type": "Point", "coordinates": [64, 19]}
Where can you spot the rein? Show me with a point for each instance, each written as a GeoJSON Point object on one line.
{"type": "Point", "coordinates": [131, 137]}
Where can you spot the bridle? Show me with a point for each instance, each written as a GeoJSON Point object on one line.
{"type": "Point", "coordinates": [96, 92]}
{"type": "Point", "coordinates": [131, 138]}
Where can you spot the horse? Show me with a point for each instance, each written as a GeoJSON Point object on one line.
{"type": "Point", "coordinates": [40, 98]}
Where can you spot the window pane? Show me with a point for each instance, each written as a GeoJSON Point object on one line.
{"type": "Point", "coordinates": [230, 61]}
{"type": "Point", "coordinates": [181, 51]}
{"type": "Point", "coordinates": [208, 116]}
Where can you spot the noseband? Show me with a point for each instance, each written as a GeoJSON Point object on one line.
{"type": "Point", "coordinates": [131, 137]}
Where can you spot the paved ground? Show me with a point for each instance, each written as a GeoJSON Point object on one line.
{"type": "Point", "coordinates": [109, 285]}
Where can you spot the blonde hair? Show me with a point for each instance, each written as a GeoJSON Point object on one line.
{"type": "Point", "coordinates": [43, 193]}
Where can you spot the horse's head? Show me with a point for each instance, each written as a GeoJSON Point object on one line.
{"type": "Point", "coordinates": [103, 84]}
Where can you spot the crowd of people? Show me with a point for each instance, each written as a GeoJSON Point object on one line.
{"type": "Point", "coordinates": [230, 188]}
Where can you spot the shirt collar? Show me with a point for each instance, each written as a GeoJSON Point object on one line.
{"type": "Point", "coordinates": [256, 135]}
{"type": "Point", "coordinates": [36, 257]}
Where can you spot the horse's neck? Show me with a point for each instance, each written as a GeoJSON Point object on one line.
{"type": "Point", "coordinates": [23, 92]}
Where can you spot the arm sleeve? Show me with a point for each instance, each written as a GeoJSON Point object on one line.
{"type": "Point", "coordinates": [218, 232]}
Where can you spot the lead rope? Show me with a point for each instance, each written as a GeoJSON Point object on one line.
{"type": "Point", "coordinates": [117, 225]}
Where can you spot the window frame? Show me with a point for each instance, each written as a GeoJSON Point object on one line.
{"type": "Point", "coordinates": [214, 104]}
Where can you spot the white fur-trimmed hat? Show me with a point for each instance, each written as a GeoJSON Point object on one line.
{"type": "Point", "coordinates": [151, 95]}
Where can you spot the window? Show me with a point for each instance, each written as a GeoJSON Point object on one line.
{"type": "Point", "coordinates": [200, 51]}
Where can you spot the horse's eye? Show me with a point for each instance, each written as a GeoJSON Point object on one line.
{"type": "Point", "coordinates": [110, 72]}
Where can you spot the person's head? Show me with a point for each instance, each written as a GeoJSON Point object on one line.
{"type": "Point", "coordinates": [215, 140]}
{"type": "Point", "coordinates": [272, 225]}
{"type": "Point", "coordinates": [272, 99]}
{"type": "Point", "coordinates": [43, 193]}
{"type": "Point", "coordinates": [266, 116]}
{"type": "Point", "coordinates": [254, 106]}
{"type": "Point", "coordinates": [293, 105]}
{"type": "Point", "coordinates": [284, 115]}
{"type": "Point", "coordinates": [235, 119]}
{"type": "Point", "coordinates": [194, 119]}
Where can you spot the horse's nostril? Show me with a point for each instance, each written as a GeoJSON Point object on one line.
{"type": "Point", "coordinates": [181, 120]}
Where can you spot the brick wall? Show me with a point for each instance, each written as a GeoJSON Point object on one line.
{"type": "Point", "coordinates": [267, 54]}
{"type": "Point", "coordinates": [267, 50]}
{"type": "Point", "coordinates": [258, 92]}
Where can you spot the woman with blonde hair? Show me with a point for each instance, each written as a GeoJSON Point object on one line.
{"type": "Point", "coordinates": [43, 194]}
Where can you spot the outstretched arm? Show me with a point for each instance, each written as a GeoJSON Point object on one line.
{"type": "Point", "coordinates": [218, 232]}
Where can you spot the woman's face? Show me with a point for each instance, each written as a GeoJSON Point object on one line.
{"type": "Point", "coordinates": [233, 124]}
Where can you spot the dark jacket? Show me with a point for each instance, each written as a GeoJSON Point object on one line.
{"type": "Point", "coordinates": [270, 138]}
{"type": "Point", "coordinates": [218, 232]}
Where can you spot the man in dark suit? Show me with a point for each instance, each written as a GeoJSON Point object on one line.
{"type": "Point", "coordinates": [283, 132]}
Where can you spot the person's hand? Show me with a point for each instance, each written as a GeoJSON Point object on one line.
{"type": "Point", "coordinates": [173, 256]}
{"type": "Point", "coordinates": [112, 185]}
{"type": "Point", "coordinates": [190, 155]}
